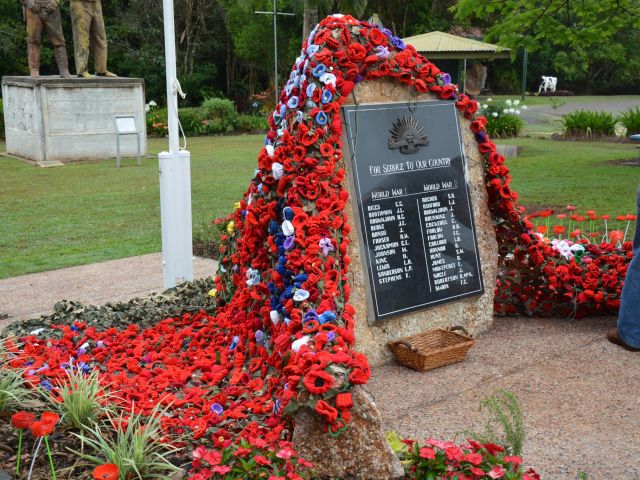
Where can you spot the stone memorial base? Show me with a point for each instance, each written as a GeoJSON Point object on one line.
{"type": "Point", "coordinates": [67, 119]}
{"type": "Point", "coordinates": [475, 313]}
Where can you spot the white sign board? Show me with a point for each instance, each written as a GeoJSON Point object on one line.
{"type": "Point", "coordinates": [126, 125]}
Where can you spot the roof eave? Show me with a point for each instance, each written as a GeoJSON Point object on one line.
{"type": "Point", "coordinates": [463, 55]}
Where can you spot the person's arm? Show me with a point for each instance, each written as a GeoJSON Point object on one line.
{"type": "Point", "coordinates": [53, 4]}
{"type": "Point", "coordinates": [31, 5]}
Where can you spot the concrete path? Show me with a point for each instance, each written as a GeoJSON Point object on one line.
{"type": "Point", "coordinates": [30, 296]}
{"type": "Point", "coordinates": [579, 393]}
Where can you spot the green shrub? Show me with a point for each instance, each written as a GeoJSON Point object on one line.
{"type": "Point", "coordinates": [215, 116]}
{"type": "Point", "coordinates": [221, 114]}
{"type": "Point", "coordinates": [206, 240]}
{"type": "Point", "coordinates": [192, 119]}
{"type": "Point", "coordinates": [252, 124]}
{"type": "Point", "coordinates": [503, 118]}
{"type": "Point", "coordinates": [587, 123]}
{"type": "Point", "coordinates": [631, 120]}
{"type": "Point", "coordinates": [504, 126]}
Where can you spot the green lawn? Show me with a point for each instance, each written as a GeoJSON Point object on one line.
{"type": "Point", "coordinates": [90, 212]}
{"type": "Point", "coordinates": [553, 173]}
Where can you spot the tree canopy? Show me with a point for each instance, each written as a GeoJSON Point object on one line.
{"type": "Point", "coordinates": [589, 43]}
{"type": "Point", "coordinates": [225, 49]}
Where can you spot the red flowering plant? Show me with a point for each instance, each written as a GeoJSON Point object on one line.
{"type": "Point", "coordinates": [249, 459]}
{"type": "Point", "coordinates": [582, 228]}
{"type": "Point", "coordinates": [576, 265]}
{"type": "Point", "coordinates": [436, 460]}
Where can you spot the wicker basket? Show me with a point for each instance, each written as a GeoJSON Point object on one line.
{"type": "Point", "coordinates": [432, 349]}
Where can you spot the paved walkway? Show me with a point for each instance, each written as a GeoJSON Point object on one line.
{"type": "Point", "coordinates": [579, 393]}
{"type": "Point", "coordinates": [30, 296]}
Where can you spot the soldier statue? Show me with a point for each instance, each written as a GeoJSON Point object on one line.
{"type": "Point", "coordinates": [41, 14]}
{"type": "Point", "coordinates": [88, 33]}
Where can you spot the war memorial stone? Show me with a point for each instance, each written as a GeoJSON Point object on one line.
{"type": "Point", "coordinates": [423, 246]}
{"type": "Point", "coordinates": [442, 133]}
{"type": "Point", "coordinates": [413, 203]}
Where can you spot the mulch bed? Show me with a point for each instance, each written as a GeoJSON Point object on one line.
{"type": "Point", "coordinates": [68, 465]}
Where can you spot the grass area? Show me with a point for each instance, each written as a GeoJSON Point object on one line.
{"type": "Point", "coordinates": [534, 100]}
{"type": "Point", "coordinates": [553, 173]}
{"type": "Point", "coordinates": [91, 212]}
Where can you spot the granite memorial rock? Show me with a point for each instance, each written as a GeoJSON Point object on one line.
{"type": "Point", "coordinates": [423, 250]}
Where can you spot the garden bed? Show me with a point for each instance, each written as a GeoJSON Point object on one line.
{"type": "Point", "coordinates": [68, 464]}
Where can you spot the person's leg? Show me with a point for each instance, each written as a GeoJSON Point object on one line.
{"type": "Point", "coordinates": [629, 316]}
{"type": "Point", "coordinates": [80, 22]}
{"type": "Point", "coordinates": [34, 35]}
{"type": "Point", "coordinates": [54, 30]}
{"type": "Point", "coordinates": [99, 40]}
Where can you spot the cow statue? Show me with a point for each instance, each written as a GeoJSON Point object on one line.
{"type": "Point", "coordinates": [548, 84]}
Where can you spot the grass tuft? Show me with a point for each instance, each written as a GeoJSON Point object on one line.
{"type": "Point", "coordinates": [504, 424]}
{"type": "Point", "coordinates": [133, 443]}
{"type": "Point", "coordinates": [15, 392]}
{"type": "Point", "coordinates": [81, 400]}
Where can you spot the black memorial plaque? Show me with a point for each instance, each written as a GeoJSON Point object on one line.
{"type": "Point", "coordinates": [414, 207]}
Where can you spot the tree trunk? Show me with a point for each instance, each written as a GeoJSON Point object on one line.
{"type": "Point", "coordinates": [310, 19]}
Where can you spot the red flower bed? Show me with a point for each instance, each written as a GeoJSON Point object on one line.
{"type": "Point", "coordinates": [471, 461]}
{"type": "Point", "coordinates": [284, 324]}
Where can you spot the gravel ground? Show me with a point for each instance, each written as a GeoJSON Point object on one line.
{"type": "Point", "coordinates": [579, 394]}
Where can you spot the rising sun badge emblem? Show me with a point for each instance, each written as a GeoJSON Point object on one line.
{"type": "Point", "coordinates": [407, 135]}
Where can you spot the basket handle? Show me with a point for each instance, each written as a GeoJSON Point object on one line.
{"type": "Point", "coordinates": [406, 344]}
{"type": "Point", "coordinates": [460, 328]}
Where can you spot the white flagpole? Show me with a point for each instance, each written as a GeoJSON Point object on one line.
{"type": "Point", "coordinates": [175, 177]}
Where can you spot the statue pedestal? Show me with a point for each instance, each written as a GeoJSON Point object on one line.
{"type": "Point", "coordinates": [69, 119]}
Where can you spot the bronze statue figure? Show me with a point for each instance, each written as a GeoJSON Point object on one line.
{"type": "Point", "coordinates": [41, 14]}
{"type": "Point", "coordinates": [89, 34]}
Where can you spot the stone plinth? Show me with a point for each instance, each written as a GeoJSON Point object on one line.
{"type": "Point", "coordinates": [474, 313]}
{"type": "Point", "coordinates": [58, 119]}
